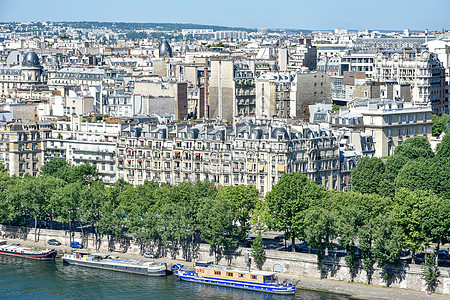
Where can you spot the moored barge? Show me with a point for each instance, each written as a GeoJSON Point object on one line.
{"type": "Point", "coordinates": [16, 250]}
{"type": "Point", "coordinates": [105, 262]}
{"type": "Point", "coordinates": [260, 281]}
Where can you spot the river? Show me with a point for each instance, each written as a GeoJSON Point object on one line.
{"type": "Point", "coordinates": [29, 279]}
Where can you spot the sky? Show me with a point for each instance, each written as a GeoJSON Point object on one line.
{"type": "Point", "coordinates": [281, 14]}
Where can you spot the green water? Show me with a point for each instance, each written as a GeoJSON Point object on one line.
{"type": "Point", "coordinates": [29, 279]}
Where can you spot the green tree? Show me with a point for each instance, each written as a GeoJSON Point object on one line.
{"type": "Point", "coordinates": [407, 212]}
{"type": "Point", "coordinates": [415, 147]}
{"type": "Point", "coordinates": [349, 219]}
{"type": "Point", "coordinates": [439, 124]}
{"type": "Point", "coordinates": [435, 221]}
{"type": "Point", "coordinates": [58, 168]}
{"type": "Point", "coordinates": [218, 226]}
{"type": "Point", "coordinates": [430, 271]}
{"type": "Point", "coordinates": [92, 199]}
{"type": "Point", "coordinates": [367, 175]}
{"type": "Point", "coordinates": [388, 237]}
{"type": "Point", "coordinates": [65, 203]}
{"type": "Point", "coordinates": [287, 204]}
{"type": "Point", "coordinates": [244, 199]}
{"type": "Point", "coordinates": [443, 148]}
{"type": "Point", "coordinates": [258, 252]}
{"type": "Point", "coordinates": [320, 228]}
{"type": "Point", "coordinates": [426, 174]}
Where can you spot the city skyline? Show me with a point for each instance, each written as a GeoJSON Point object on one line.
{"type": "Point", "coordinates": [386, 15]}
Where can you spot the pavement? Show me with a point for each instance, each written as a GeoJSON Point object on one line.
{"type": "Point", "coordinates": [355, 290]}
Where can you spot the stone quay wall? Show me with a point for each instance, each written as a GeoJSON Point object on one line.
{"type": "Point", "coordinates": [406, 276]}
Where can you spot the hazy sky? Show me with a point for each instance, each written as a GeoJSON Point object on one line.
{"type": "Point", "coordinates": [298, 14]}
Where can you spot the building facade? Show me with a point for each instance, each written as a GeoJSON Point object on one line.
{"type": "Point", "coordinates": [242, 154]}
{"type": "Point", "coordinates": [22, 146]}
{"type": "Point", "coordinates": [389, 122]}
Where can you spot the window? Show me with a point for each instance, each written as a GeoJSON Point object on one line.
{"type": "Point", "coordinates": [399, 119]}
{"type": "Point", "coordinates": [389, 133]}
{"type": "Point", "coordinates": [241, 275]}
{"type": "Point", "coordinates": [230, 274]}
{"type": "Point", "coordinates": [399, 132]}
{"type": "Point", "coordinates": [424, 117]}
{"type": "Point", "coordinates": [414, 118]}
{"type": "Point", "coordinates": [424, 130]}
{"type": "Point", "coordinates": [253, 277]}
{"type": "Point", "coordinates": [407, 119]}
{"type": "Point", "coordinates": [217, 273]}
{"type": "Point", "coordinates": [389, 120]}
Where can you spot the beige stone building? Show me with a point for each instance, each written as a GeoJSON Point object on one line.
{"type": "Point", "coordinates": [228, 155]}
{"type": "Point", "coordinates": [276, 95]}
{"type": "Point", "coordinates": [22, 146]}
{"type": "Point", "coordinates": [389, 122]}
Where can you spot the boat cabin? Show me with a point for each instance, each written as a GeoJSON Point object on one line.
{"type": "Point", "coordinates": [235, 274]}
{"type": "Point", "coordinates": [80, 253]}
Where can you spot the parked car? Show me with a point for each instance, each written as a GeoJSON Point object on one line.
{"type": "Point", "coordinates": [76, 245]}
{"type": "Point", "coordinates": [149, 255]}
{"type": "Point", "coordinates": [53, 242]}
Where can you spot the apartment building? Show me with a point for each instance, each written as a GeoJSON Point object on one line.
{"type": "Point", "coordinates": [276, 95]}
{"type": "Point", "coordinates": [28, 75]}
{"type": "Point", "coordinates": [231, 89]}
{"type": "Point", "coordinates": [81, 141]}
{"type": "Point", "coordinates": [22, 146]}
{"type": "Point", "coordinates": [389, 122]}
{"type": "Point", "coordinates": [228, 155]}
{"type": "Point", "coordinates": [419, 68]}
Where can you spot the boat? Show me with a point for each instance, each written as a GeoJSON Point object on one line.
{"type": "Point", "coordinates": [261, 281]}
{"type": "Point", "coordinates": [106, 262]}
{"type": "Point", "coordinates": [18, 251]}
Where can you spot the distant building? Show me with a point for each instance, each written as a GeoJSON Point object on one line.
{"type": "Point", "coordinates": [389, 122]}
{"type": "Point", "coordinates": [29, 75]}
{"type": "Point", "coordinates": [421, 69]}
{"type": "Point", "coordinates": [22, 146]}
{"type": "Point", "coordinates": [84, 141]}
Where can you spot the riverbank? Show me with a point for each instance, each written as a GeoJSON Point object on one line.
{"type": "Point", "coordinates": [357, 290]}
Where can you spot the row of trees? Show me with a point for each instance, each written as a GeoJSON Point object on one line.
{"type": "Point", "coordinates": [149, 212]}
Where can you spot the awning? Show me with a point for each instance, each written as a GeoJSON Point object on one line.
{"type": "Point", "coordinates": [139, 160]}
{"type": "Point", "coordinates": [250, 167]}
{"type": "Point", "coordinates": [261, 167]}
{"type": "Point", "coordinates": [176, 152]}
{"type": "Point", "coordinates": [120, 159]}
{"type": "Point", "coordinates": [178, 141]}
{"type": "Point", "coordinates": [197, 154]}
{"type": "Point", "coordinates": [280, 168]}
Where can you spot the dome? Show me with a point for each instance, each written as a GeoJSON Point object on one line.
{"type": "Point", "coordinates": [164, 49]}
{"type": "Point", "coordinates": [31, 59]}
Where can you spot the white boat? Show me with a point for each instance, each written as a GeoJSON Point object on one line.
{"type": "Point", "coordinates": [104, 261]}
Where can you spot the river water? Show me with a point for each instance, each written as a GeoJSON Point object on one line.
{"type": "Point", "coordinates": [23, 278]}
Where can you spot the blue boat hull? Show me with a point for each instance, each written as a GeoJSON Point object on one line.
{"type": "Point", "coordinates": [256, 287]}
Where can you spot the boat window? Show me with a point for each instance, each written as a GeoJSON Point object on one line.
{"type": "Point", "coordinates": [216, 272]}
{"type": "Point", "coordinates": [241, 275]}
{"type": "Point", "coordinates": [229, 274]}
{"type": "Point", "coordinates": [253, 276]}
